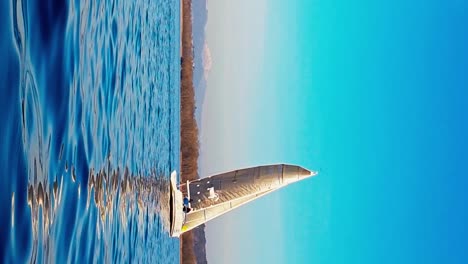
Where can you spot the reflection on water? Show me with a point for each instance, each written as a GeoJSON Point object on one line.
{"type": "Point", "coordinates": [120, 199]}
{"type": "Point", "coordinates": [91, 130]}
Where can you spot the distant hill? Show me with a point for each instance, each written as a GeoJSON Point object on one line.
{"type": "Point", "coordinates": [199, 20]}
{"type": "Point", "coordinates": [189, 148]}
{"type": "Point", "coordinates": [193, 87]}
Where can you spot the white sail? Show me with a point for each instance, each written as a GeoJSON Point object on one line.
{"type": "Point", "coordinates": [215, 195]}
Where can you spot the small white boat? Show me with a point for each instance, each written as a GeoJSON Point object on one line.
{"type": "Point", "coordinates": [213, 196]}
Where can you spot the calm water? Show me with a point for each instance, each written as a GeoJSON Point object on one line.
{"type": "Point", "coordinates": [89, 110]}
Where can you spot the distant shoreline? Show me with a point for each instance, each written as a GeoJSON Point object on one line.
{"type": "Point", "coordinates": [189, 145]}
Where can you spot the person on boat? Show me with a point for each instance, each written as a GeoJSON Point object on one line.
{"type": "Point", "coordinates": [187, 202]}
{"type": "Point", "coordinates": [186, 209]}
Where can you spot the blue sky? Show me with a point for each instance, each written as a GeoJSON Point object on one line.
{"type": "Point", "coordinates": [371, 93]}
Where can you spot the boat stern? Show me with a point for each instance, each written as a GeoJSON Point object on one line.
{"type": "Point", "coordinates": [176, 207]}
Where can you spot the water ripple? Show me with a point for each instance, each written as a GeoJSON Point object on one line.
{"type": "Point", "coordinates": [98, 114]}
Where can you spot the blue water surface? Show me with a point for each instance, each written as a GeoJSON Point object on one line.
{"type": "Point", "coordinates": [89, 110]}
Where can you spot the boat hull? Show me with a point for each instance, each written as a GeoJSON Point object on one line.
{"type": "Point", "coordinates": [176, 207]}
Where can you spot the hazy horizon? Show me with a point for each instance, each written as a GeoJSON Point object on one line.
{"type": "Point", "coordinates": [371, 95]}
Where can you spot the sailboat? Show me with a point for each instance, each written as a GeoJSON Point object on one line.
{"type": "Point", "coordinates": [195, 202]}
